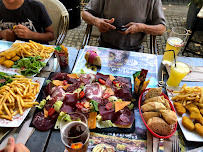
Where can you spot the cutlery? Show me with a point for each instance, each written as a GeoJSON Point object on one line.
{"type": "Point", "coordinates": [161, 145]}
{"type": "Point", "coordinates": [162, 83]}
{"type": "Point", "coordinates": [175, 145]}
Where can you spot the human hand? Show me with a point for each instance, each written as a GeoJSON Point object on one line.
{"type": "Point", "coordinates": [104, 24]}
{"type": "Point", "coordinates": [12, 147]}
{"type": "Point", "coordinates": [23, 32]}
{"type": "Point", "coordinates": [8, 35]}
{"type": "Point", "coordinates": [133, 28]}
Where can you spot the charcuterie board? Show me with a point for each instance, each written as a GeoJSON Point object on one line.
{"type": "Point", "coordinates": [90, 93]}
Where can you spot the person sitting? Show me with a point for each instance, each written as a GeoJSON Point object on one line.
{"type": "Point", "coordinates": [137, 16]}
{"type": "Point", "coordinates": [13, 147]}
{"type": "Point", "coordinates": [25, 20]}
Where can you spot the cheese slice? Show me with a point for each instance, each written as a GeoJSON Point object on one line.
{"type": "Point", "coordinates": [120, 105]}
{"type": "Point", "coordinates": [109, 90]}
{"type": "Point", "coordinates": [111, 77]}
{"type": "Point", "coordinates": [74, 76]}
{"type": "Point", "coordinates": [58, 83]}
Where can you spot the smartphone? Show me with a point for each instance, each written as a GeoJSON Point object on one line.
{"type": "Point", "coordinates": [121, 28]}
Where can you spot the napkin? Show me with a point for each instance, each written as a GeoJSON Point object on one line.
{"type": "Point", "coordinates": [196, 73]}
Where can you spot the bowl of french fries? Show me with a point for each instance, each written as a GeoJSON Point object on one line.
{"type": "Point", "coordinates": [188, 102]}
{"type": "Point", "coordinates": [17, 96]}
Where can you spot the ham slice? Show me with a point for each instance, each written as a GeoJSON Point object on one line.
{"type": "Point", "coordinates": [87, 78]}
{"type": "Point", "coordinates": [58, 93]}
{"type": "Point", "coordinates": [67, 109]}
{"type": "Point", "coordinates": [93, 90]}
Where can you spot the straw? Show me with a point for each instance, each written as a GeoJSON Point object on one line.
{"type": "Point", "coordinates": [173, 54]}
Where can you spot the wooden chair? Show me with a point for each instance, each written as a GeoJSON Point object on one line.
{"type": "Point", "coordinates": [88, 32]}
{"type": "Point", "coordinates": [60, 18]}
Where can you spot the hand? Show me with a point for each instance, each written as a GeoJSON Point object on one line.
{"type": "Point", "coordinates": [104, 24]}
{"type": "Point", "coordinates": [23, 32]}
{"type": "Point", "coordinates": [12, 147]}
{"type": "Point", "coordinates": [8, 35]}
{"type": "Point", "coordinates": [134, 28]}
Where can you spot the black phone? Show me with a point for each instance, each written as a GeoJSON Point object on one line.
{"type": "Point", "coordinates": [121, 28]}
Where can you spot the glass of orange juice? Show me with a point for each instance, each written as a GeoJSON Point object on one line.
{"type": "Point", "coordinates": [179, 69]}
{"type": "Point", "coordinates": [176, 39]}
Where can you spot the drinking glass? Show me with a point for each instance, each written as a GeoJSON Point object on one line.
{"type": "Point", "coordinates": [179, 70]}
{"type": "Point", "coordinates": [176, 39]}
{"type": "Point", "coordinates": [75, 132]}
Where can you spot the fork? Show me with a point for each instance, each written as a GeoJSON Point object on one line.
{"type": "Point", "coordinates": [175, 145]}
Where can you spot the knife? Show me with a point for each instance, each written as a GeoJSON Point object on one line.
{"type": "Point", "coordinates": [161, 145]}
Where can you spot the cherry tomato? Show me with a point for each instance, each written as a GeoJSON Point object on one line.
{"type": "Point", "coordinates": [81, 94]}
{"type": "Point", "coordinates": [23, 68]}
{"type": "Point", "coordinates": [108, 106]}
{"type": "Point", "coordinates": [101, 81]}
{"type": "Point", "coordinates": [106, 95]}
{"type": "Point", "coordinates": [51, 112]}
{"type": "Point", "coordinates": [65, 82]}
{"type": "Point", "coordinates": [79, 105]}
{"type": "Point", "coordinates": [114, 82]}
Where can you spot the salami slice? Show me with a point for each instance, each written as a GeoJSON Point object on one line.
{"type": "Point", "coordinates": [71, 99]}
{"type": "Point", "coordinates": [67, 109]}
{"type": "Point", "coordinates": [42, 123]}
{"type": "Point", "coordinates": [93, 90]}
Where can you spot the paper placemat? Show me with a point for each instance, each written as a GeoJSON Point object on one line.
{"type": "Point", "coordinates": [196, 74]}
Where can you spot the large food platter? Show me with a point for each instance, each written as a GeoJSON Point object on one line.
{"type": "Point", "coordinates": [18, 119]}
{"type": "Point", "coordinates": [93, 87]}
{"type": "Point", "coordinates": [189, 135]}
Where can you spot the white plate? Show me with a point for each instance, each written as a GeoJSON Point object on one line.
{"type": "Point", "coordinates": [189, 135]}
{"type": "Point", "coordinates": [16, 70]}
{"type": "Point", "coordinates": [18, 119]}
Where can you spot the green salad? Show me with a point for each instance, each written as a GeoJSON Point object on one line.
{"type": "Point", "coordinates": [5, 78]}
{"type": "Point", "coordinates": [30, 65]}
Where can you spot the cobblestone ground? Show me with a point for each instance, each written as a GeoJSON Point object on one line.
{"type": "Point", "coordinates": [75, 36]}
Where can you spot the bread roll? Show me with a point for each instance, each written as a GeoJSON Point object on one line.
{"type": "Point", "coordinates": [148, 115]}
{"type": "Point", "coordinates": [152, 106]}
{"type": "Point", "coordinates": [169, 116]}
{"type": "Point", "coordinates": [159, 126]}
{"type": "Point", "coordinates": [153, 92]}
{"type": "Point", "coordinates": [160, 99]}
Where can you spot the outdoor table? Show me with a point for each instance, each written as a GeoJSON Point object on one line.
{"type": "Point", "coordinates": [41, 141]}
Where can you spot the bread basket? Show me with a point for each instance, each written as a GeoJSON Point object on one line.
{"type": "Point", "coordinates": [141, 99]}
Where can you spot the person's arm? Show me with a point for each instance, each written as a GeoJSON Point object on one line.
{"type": "Point", "coordinates": [102, 24]}
{"type": "Point", "coordinates": [148, 29]}
{"type": "Point", "coordinates": [25, 33]}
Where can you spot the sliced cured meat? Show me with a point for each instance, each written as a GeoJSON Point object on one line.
{"type": "Point", "coordinates": [42, 123]}
{"type": "Point", "coordinates": [71, 80]}
{"type": "Point", "coordinates": [100, 75]}
{"type": "Point", "coordinates": [123, 94]}
{"type": "Point", "coordinates": [58, 92]}
{"type": "Point", "coordinates": [87, 78]}
{"type": "Point", "coordinates": [124, 117]}
{"type": "Point", "coordinates": [108, 82]}
{"type": "Point", "coordinates": [122, 79]}
{"type": "Point", "coordinates": [50, 104]}
{"type": "Point", "coordinates": [106, 114]}
{"type": "Point", "coordinates": [93, 90]}
{"type": "Point", "coordinates": [67, 109]}
{"type": "Point", "coordinates": [71, 99]}
{"type": "Point", "coordinates": [59, 76]}
{"type": "Point", "coordinates": [98, 100]}
{"type": "Point", "coordinates": [104, 102]}
{"type": "Point", "coordinates": [47, 90]}
{"type": "Point", "coordinates": [73, 87]}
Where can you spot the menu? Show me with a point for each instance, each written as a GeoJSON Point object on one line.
{"type": "Point", "coordinates": [119, 144]}
{"type": "Point", "coordinates": [122, 63]}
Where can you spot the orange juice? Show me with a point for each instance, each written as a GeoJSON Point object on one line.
{"type": "Point", "coordinates": [173, 43]}
{"type": "Point", "coordinates": [177, 73]}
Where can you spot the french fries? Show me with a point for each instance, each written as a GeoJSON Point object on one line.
{"type": "Point", "coordinates": [30, 48]}
{"type": "Point", "coordinates": [17, 96]}
{"type": "Point", "coordinates": [189, 95]}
